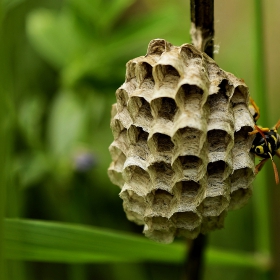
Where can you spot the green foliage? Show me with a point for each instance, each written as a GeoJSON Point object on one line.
{"type": "Point", "coordinates": [62, 62]}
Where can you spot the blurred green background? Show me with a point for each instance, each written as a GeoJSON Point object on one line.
{"type": "Point", "coordinates": [61, 62]}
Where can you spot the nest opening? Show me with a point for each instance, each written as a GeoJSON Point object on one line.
{"type": "Point", "coordinates": [162, 142]}
{"type": "Point", "coordinates": [190, 188]}
{"type": "Point", "coordinates": [186, 220]}
{"type": "Point", "coordinates": [190, 162]}
{"type": "Point", "coordinates": [137, 178]}
{"type": "Point", "coordinates": [225, 88]}
{"type": "Point", "coordinates": [165, 108]}
{"type": "Point", "coordinates": [213, 206]}
{"type": "Point", "coordinates": [145, 72]}
{"type": "Point", "coordinates": [217, 167]}
{"type": "Point", "coordinates": [140, 109]}
{"type": "Point", "coordinates": [190, 96]}
{"type": "Point", "coordinates": [240, 95]}
{"type": "Point", "coordinates": [218, 140]}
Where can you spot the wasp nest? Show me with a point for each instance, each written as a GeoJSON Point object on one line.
{"type": "Point", "coordinates": [181, 146]}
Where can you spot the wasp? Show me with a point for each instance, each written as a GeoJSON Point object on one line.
{"type": "Point", "coordinates": [266, 143]}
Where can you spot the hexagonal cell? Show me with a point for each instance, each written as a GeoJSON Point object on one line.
{"type": "Point", "coordinates": [134, 206]}
{"type": "Point", "coordinates": [241, 155]}
{"type": "Point", "coordinates": [239, 198]}
{"type": "Point", "coordinates": [116, 126]}
{"type": "Point", "coordinates": [240, 95]}
{"type": "Point", "coordinates": [218, 140]}
{"type": "Point", "coordinates": [242, 117]}
{"type": "Point", "coordinates": [159, 203]}
{"type": "Point", "coordinates": [122, 98]}
{"type": "Point", "coordinates": [164, 108]}
{"type": "Point", "coordinates": [190, 234]}
{"type": "Point", "coordinates": [130, 70]}
{"type": "Point", "coordinates": [192, 167]}
{"type": "Point", "coordinates": [115, 174]}
{"type": "Point", "coordinates": [189, 195]}
{"type": "Point", "coordinates": [163, 236]}
{"type": "Point", "coordinates": [212, 223]}
{"type": "Point", "coordinates": [166, 73]}
{"type": "Point", "coordinates": [188, 141]}
{"type": "Point", "coordinates": [189, 98]}
{"type": "Point", "coordinates": [188, 51]}
{"type": "Point", "coordinates": [121, 141]}
{"type": "Point", "coordinates": [144, 72]}
{"type": "Point", "coordinates": [136, 134]}
{"type": "Point", "coordinates": [190, 190]}
{"type": "Point", "coordinates": [218, 172]}
{"type": "Point", "coordinates": [214, 206]}
{"type": "Point", "coordinates": [186, 220]}
{"type": "Point", "coordinates": [137, 142]}
{"type": "Point", "coordinates": [217, 193]}
{"type": "Point", "coordinates": [140, 111]}
{"type": "Point", "coordinates": [138, 179]}
{"type": "Point", "coordinates": [117, 156]}
{"type": "Point", "coordinates": [158, 223]}
{"type": "Point", "coordinates": [162, 175]}
{"type": "Point", "coordinates": [241, 191]}
{"type": "Point", "coordinates": [158, 46]}
{"type": "Point", "coordinates": [219, 106]}
{"type": "Point", "coordinates": [225, 88]}
{"type": "Point", "coordinates": [160, 143]}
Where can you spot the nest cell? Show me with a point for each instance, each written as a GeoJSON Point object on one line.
{"type": "Point", "coordinates": [138, 179]}
{"type": "Point", "coordinates": [186, 220]}
{"type": "Point", "coordinates": [160, 202]}
{"type": "Point", "coordinates": [161, 143]}
{"type": "Point", "coordinates": [140, 111]}
{"type": "Point", "coordinates": [189, 98]}
{"type": "Point", "coordinates": [240, 95]}
{"type": "Point", "coordinates": [164, 108]}
{"type": "Point", "coordinates": [162, 175]}
{"type": "Point", "coordinates": [134, 205]}
{"type": "Point", "coordinates": [192, 168]}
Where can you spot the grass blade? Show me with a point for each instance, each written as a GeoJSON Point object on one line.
{"type": "Point", "coordinates": [56, 242]}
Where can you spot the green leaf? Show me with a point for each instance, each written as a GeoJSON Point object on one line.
{"type": "Point", "coordinates": [55, 36]}
{"type": "Point", "coordinates": [57, 242]}
{"type": "Point", "coordinates": [9, 4]}
{"type": "Point", "coordinates": [66, 124]}
{"type": "Point", "coordinates": [102, 14]}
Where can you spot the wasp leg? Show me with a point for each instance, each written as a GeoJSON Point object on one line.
{"type": "Point", "coordinates": [259, 166]}
{"type": "Point", "coordinates": [260, 130]}
{"type": "Point", "coordinates": [277, 125]}
{"type": "Point", "coordinates": [256, 115]}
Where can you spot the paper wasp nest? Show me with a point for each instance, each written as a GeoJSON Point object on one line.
{"type": "Point", "coordinates": [181, 146]}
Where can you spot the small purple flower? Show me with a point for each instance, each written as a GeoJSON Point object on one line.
{"type": "Point", "coordinates": [84, 161]}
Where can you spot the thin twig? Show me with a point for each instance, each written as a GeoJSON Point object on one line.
{"type": "Point", "coordinates": [202, 32]}
{"type": "Point", "coordinates": [202, 25]}
{"type": "Point", "coordinates": [193, 269]}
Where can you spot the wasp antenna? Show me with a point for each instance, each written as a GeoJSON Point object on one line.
{"type": "Point", "coordinates": [275, 173]}
{"type": "Point", "coordinates": [277, 125]}
{"type": "Point", "coordinates": [275, 170]}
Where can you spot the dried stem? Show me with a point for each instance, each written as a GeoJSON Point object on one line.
{"type": "Point", "coordinates": [193, 269]}
{"type": "Point", "coordinates": [202, 25]}
{"type": "Point", "coordinates": [202, 32]}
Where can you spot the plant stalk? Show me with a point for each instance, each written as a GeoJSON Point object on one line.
{"type": "Point", "coordinates": [202, 33]}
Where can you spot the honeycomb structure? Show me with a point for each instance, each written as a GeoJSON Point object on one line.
{"type": "Point", "coordinates": [181, 147]}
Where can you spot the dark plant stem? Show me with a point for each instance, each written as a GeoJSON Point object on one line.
{"type": "Point", "coordinates": [202, 32]}
{"type": "Point", "coordinates": [193, 269]}
{"type": "Point", "coordinates": [202, 25]}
